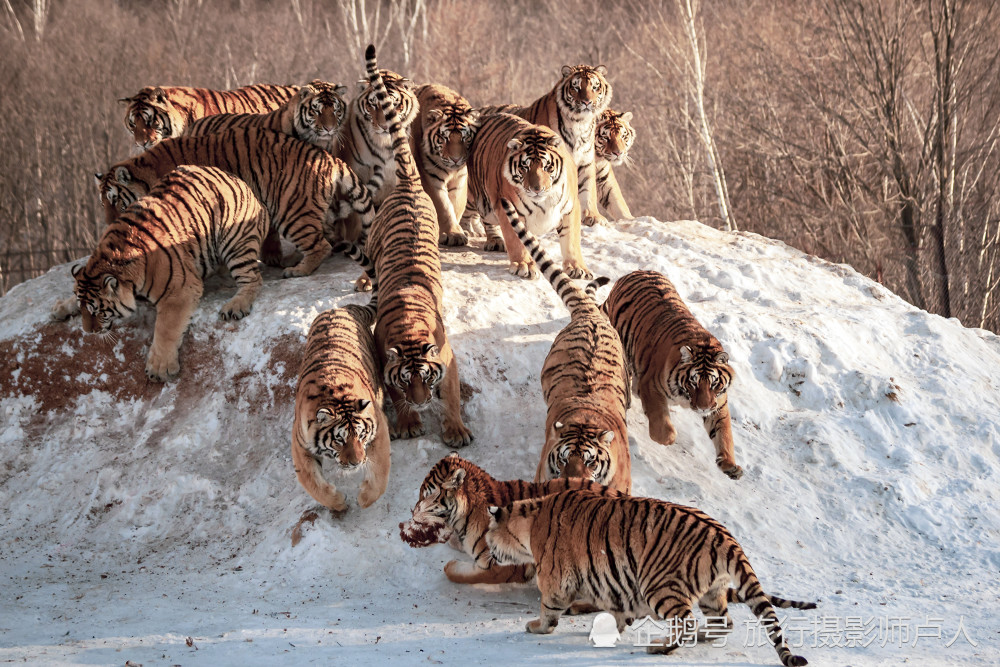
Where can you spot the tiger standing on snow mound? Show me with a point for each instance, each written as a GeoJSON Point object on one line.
{"type": "Point", "coordinates": [161, 250]}
{"type": "Point", "coordinates": [366, 146]}
{"type": "Point", "coordinates": [613, 137]}
{"type": "Point", "coordinates": [156, 113]}
{"type": "Point", "coordinates": [410, 336]}
{"type": "Point", "coordinates": [440, 138]}
{"type": "Point", "coordinates": [633, 557]}
{"type": "Point", "coordinates": [454, 507]}
{"type": "Point", "coordinates": [585, 386]}
{"type": "Point", "coordinates": [529, 166]}
{"type": "Point", "coordinates": [338, 407]}
{"type": "Point", "coordinates": [674, 360]}
{"type": "Point", "coordinates": [303, 187]}
{"type": "Point", "coordinates": [571, 109]}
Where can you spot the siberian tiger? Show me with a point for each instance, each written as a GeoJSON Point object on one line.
{"type": "Point", "coordinates": [315, 114]}
{"type": "Point", "coordinates": [366, 145]}
{"type": "Point", "coordinates": [303, 187]}
{"type": "Point", "coordinates": [613, 137]}
{"type": "Point", "coordinates": [632, 557]}
{"type": "Point", "coordinates": [571, 108]}
{"type": "Point", "coordinates": [439, 139]}
{"type": "Point", "coordinates": [529, 166]}
{"type": "Point", "coordinates": [410, 336]}
{"type": "Point", "coordinates": [585, 386]}
{"type": "Point", "coordinates": [156, 113]}
{"type": "Point", "coordinates": [338, 406]}
{"type": "Point", "coordinates": [163, 247]}
{"type": "Point", "coordinates": [675, 360]}
{"type": "Point", "coordinates": [453, 504]}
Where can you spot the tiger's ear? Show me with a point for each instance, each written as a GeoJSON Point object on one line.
{"type": "Point", "coordinates": [602, 70]}
{"type": "Point", "coordinates": [434, 115]}
{"type": "Point", "coordinates": [306, 90]}
{"type": "Point", "coordinates": [362, 404]}
{"type": "Point", "coordinates": [323, 416]}
{"type": "Point", "coordinates": [495, 512]}
{"type": "Point", "coordinates": [685, 354]}
{"type": "Point", "coordinates": [558, 426]}
{"type": "Point", "coordinates": [514, 144]}
{"type": "Point", "coordinates": [455, 479]}
{"type": "Point", "coordinates": [607, 437]}
{"type": "Point", "coordinates": [392, 354]}
{"type": "Point", "coordinates": [626, 117]}
{"type": "Point", "coordinates": [567, 70]}
{"type": "Point", "coordinates": [159, 96]}
{"type": "Point", "coordinates": [429, 350]}
{"type": "Point", "coordinates": [473, 117]}
{"type": "Point", "coordinates": [340, 90]}
{"type": "Point", "coordinates": [553, 141]}
{"type": "Point", "coordinates": [76, 269]}
{"type": "Point", "coordinates": [110, 282]}
{"type": "Point", "coordinates": [722, 358]}
{"type": "Point", "coordinates": [362, 84]}
{"type": "Point", "coordinates": [98, 177]}
{"type": "Point", "coordinates": [453, 455]}
{"type": "Point", "coordinates": [123, 175]}
{"type": "Point", "coordinates": [125, 100]}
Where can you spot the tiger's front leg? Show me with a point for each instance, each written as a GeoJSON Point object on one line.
{"type": "Point", "coordinates": [451, 233]}
{"type": "Point", "coordinates": [587, 177]}
{"type": "Point", "coordinates": [553, 606]}
{"type": "Point", "coordinates": [611, 196]}
{"type": "Point", "coordinates": [720, 429]}
{"type": "Point", "coordinates": [654, 404]}
{"type": "Point", "coordinates": [172, 316]}
{"type": "Point", "coordinates": [377, 474]}
{"type": "Point", "coordinates": [454, 432]}
{"type": "Point", "coordinates": [309, 472]}
{"type": "Point", "coordinates": [521, 263]}
{"type": "Point", "coordinates": [462, 572]}
{"type": "Point", "coordinates": [569, 243]}
{"type": "Point", "coordinates": [408, 423]}
{"type": "Point", "coordinates": [306, 232]}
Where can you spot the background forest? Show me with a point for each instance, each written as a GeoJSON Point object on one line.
{"type": "Point", "coordinates": [861, 131]}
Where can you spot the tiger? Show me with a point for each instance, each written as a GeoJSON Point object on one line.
{"type": "Point", "coordinates": [584, 383]}
{"type": "Point", "coordinates": [366, 145]}
{"type": "Point", "coordinates": [338, 405]}
{"type": "Point", "coordinates": [613, 137]}
{"type": "Point", "coordinates": [156, 113]}
{"type": "Point", "coordinates": [410, 337]}
{"type": "Point", "coordinates": [529, 166]}
{"type": "Point", "coordinates": [571, 108]}
{"type": "Point", "coordinates": [315, 114]}
{"type": "Point", "coordinates": [674, 360]}
{"type": "Point", "coordinates": [440, 138]}
{"type": "Point", "coordinates": [303, 187]}
{"type": "Point", "coordinates": [632, 557]}
{"type": "Point", "coordinates": [163, 248]}
{"type": "Point", "coordinates": [452, 507]}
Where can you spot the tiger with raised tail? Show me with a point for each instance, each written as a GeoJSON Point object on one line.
{"type": "Point", "coordinates": [632, 557]}
{"type": "Point", "coordinates": [314, 114]}
{"type": "Point", "coordinates": [613, 137]}
{"type": "Point", "coordinates": [163, 248]}
{"type": "Point", "coordinates": [530, 167]}
{"type": "Point", "coordinates": [366, 146]}
{"type": "Point", "coordinates": [585, 385]}
{"type": "Point", "coordinates": [453, 507]}
{"type": "Point", "coordinates": [674, 360]}
{"type": "Point", "coordinates": [410, 335]}
{"type": "Point", "coordinates": [156, 113]}
{"type": "Point", "coordinates": [571, 108]}
{"type": "Point", "coordinates": [304, 188]}
{"type": "Point", "coordinates": [338, 404]}
{"type": "Point", "coordinates": [440, 137]}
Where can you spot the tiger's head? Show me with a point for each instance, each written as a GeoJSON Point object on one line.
{"type": "Point", "coordinates": [584, 90]}
{"type": "Point", "coordinates": [339, 428]}
{"type": "Point", "coordinates": [701, 376]}
{"type": "Point", "coordinates": [150, 117]}
{"type": "Point", "coordinates": [415, 371]}
{"type": "Point", "coordinates": [581, 451]}
{"type": "Point", "coordinates": [442, 503]}
{"type": "Point", "coordinates": [318, 112]}
{"type": "Point", "coordinates": [105, 288]}
{"type": "Point", "coordinates": [534, 165]}
{"type": "Point", "coordinates": [509, 534]}
{"type": "Point", "coordinates": [401, 96]}
{"type": "Point", "coordinates": [118, 190]}
{"type": "Point", "coordinates": [448, 132]}
{"type": "Point", "coordinates": [614, 136]}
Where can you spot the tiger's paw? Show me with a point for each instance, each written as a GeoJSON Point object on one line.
{"type": "Point", "coordinates": [580, 608]}
{"type": "Point", "coordinates": [537, 627]}
{"type": "Point", "coordinates": [369, 494]}
{"type": "Point", "coordinates": [235, 309]}
{"type": "Point", "coordinates": [363, 284]}
{"type": "Point", "coordinates": [63, 309]}
{"type": "Point", "coordinates": [460, 571]}
{"type": "Point", "coordinates": [592, 218]}
{"type": "Point", "coordinates": [162, 366]}
{"type": "Point", "coordinates": [295, 271]}
{"type": "Point", "coordinates": [576, 270]}
{"type": "Point", "coordinates": [495, 244]}
{"type": "Point", "coordinates": [732, 470]}
{"type": "Point", "coordinates": [453, 239]}
{"type": "Point", "coordinates": [663, 433]}
{"type": "Point", "coordinates": [525, 269]}
{"type": "Point", "coordinates": [457, 435]}
{"type": "Point", "coordinates": [408, 425]}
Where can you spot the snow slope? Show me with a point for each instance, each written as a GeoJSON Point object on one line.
{"type": "Point", "coordinates": [151, 523]}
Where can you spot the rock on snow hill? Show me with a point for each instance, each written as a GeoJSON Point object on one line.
{"type": "Point", "coordinates": [152, 523]}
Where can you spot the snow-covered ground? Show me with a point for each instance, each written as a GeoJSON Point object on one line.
{"type": "Point", "coordinates": [151, 524]}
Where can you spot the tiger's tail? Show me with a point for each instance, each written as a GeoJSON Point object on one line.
{"type": "Point", "coordinates": [355, 252]}
{"type": "Point", "coordinates": [594, 285]}
{"type": "Point", "coordinates": [406, 167]}
{"type": "Point", "coordinates": [733, 597]}
{"type": "Point", "coordinates": [574, 298]}
{"type": "Point", "coordinates": [761, 604]}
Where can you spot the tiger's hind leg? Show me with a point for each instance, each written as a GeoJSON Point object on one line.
{"type": "Point", "coordinates": [306, 232]}
{"type": "Point", "coordinates": [172, 316]}
{"type": "Point", "coordinates": [270, 250]}
{"type": "Point", "coordinates": [464, 572]}
{"type": "Point", "coordinates": [310, 475]}
{"type": "Point", "coordinates": [377, 473]}
{"type": "Point", "coordinates": [454, 432]}
{"type": "Point", "coordinates": [673, 606]}
{"type": "Point", "coordinates": [553, 606]}
{"type": "Point", "coordinates": [246, 272]}
{"type": "Point", "coordinates": [719, 427]}
{"type": "Point", "coordinates": [718, 622]}
{"type": "Point", "coordinates": [654, 404]}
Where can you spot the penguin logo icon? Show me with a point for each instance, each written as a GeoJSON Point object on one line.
{"type": "Point", "coordinates": [604, 634]}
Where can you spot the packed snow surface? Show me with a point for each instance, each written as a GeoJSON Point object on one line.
{"type": "Point", "coordinates": [152, 524]}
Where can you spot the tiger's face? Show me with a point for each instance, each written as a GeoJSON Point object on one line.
{"type": "Point", "coordinates": [117, 191]}
{"type": "Point", "coordinates": [416, 372]}
{"type": "Point", "coordinates": [584, 89]}
{"type": "Point", "coordinates": [581, 451]}
{"type": "Point", "coordinates": [533, 164]}
{"type": "Point", "coordinates": [148, 118]}
{"type": "Point", "coordinates": [320, 110]}
{"type": "Point", "coordinates": [509, 534]}
{"type": "Point", "coordinates": [614, 136]}
{"type": "Point", "coordinates": [449, 133]}
{"type": "Point", "coordinates": [442, 502]}
{"type": "Point", "coordinates": [401, 97]}
{"type": "Point", "coordinates": [105, 296]}
{"type": "Point", "coordinates": [341, 430]}
{"type": "Point", "coordinates": [701, 377]}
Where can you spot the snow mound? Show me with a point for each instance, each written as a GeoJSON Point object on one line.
{"type": "Point", "coordinates": [148, 523]}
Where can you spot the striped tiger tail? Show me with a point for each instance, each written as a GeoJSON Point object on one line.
{"type": "Point", "coordinates": [406, 166]}
{"type": "Point", "coordinates": [355, 252]}
{"type": "Point", "coordinates": [594, 285]}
